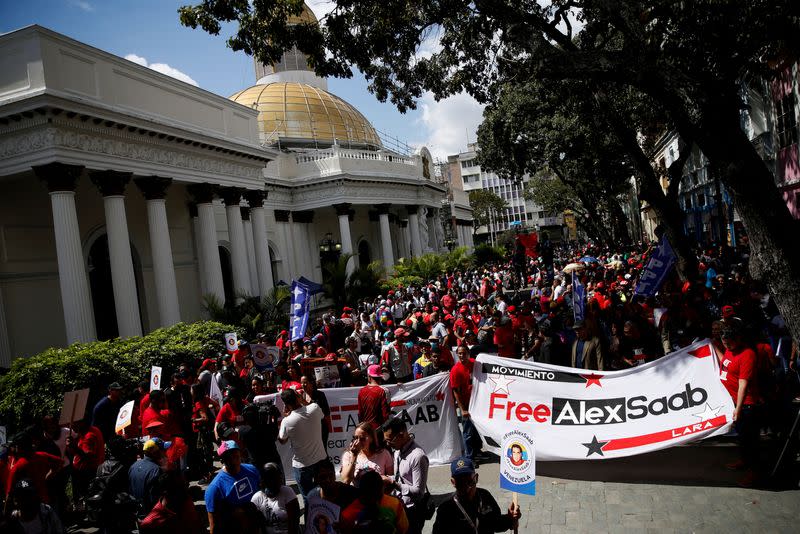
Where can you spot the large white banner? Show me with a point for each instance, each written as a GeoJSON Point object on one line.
{"type": "Point", "coordinates": [576, 414]}
{"type": "Point", "coordinates": [426, 405]}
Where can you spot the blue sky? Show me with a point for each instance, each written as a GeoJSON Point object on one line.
{"type": "Point", "coordinates": [150, 30]}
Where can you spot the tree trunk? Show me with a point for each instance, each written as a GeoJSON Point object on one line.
{"type": "Point", "coordinates": [772, 232]}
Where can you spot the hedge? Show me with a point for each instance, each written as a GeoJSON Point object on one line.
{"type": "Point", "coordinates": [35, 386]}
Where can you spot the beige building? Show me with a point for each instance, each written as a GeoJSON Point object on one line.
{"type": "Point", "coordinates": [127, 196]}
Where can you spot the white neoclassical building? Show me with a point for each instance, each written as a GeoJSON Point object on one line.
{"type": "Point", "coordinates": [126, 196]}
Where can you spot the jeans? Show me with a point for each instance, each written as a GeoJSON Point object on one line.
{"type": "Point", "coordinates": [469, 438]}
{"type": "Point", "coordinates": [304, 477]}
{"type": "Point", "coordinates": [748, 426]}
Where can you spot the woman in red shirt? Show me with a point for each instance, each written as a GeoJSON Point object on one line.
{"type": "Point", "coordinates": [739, 375]}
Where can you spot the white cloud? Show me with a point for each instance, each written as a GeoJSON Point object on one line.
{"type": "Point", "coordinates": [448, 124]}
{"type": "Point", "coordinates": [163, 68]}
{"type": "Point", "coordinates": [82, 4]}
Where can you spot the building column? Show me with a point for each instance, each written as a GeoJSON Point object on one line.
{"type": "Point", "coordinates": [386, 236]}
{"type": "Point", "coordinates": [403, 231]}
{"type": "Point", "coordinates": [249, 242]}
{"type": "Point", "coordinates": [198, 243]}
{"type": "Point", "coordinates": [126, 300]}
{"type": "Point", "coordinates": [231, 197]}
{"type": "Point", "coordinates": [260, 241]}
{"type": "Point", "coordinates": [76, 298]}
{"type": "Point", "coordinates": [209, 249]}
{"type": "Point", "coordinates": [306, 247]}
{"type": "Point", "coordinates": [154, 190]}
{"type": "Point", "coordinates": [432, 230]}
{"type": "Point", "coordinates": [282, 217]}
{"type": "Point", "coordinates": [413, 224]}
{"type": "Point", "coordinates": [343, 213]}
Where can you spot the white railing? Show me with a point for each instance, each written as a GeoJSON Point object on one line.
{"type": "Point", "coordinates": [349, 153]}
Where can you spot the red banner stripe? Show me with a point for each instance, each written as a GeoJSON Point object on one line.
{"type": "Point", "coordinates": [334, 408]}
{"type": "Point", "coordinates": [350, 408]}
{"type": "Point", "coordinates": [398, 403]}
{"type": "Point", "coordinates": [664, 435]}
{"type": "Point", "coordinates": [337, 429]}
{"type": "Point", "coordinates": [336, 417]}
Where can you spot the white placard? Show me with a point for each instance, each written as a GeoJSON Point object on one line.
{"type": "Point", "coordinates": [231, 341]}
{"type": "Point", "coordinates": [124, 417]}
{"type": "Point", "coordinates": [155, 378]}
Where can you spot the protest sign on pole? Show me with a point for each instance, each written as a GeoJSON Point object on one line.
{"type": "Point", "coordinates": [74, 406]}
{"type": "Point", "coordinates": [124, 417]}
{"type": "Point", "coordinates": [518, 462]}
{"type": "Point", "coordinates": [264, 356]}
{"type": "Point", "coordinates": [575, 414]}
{"type": "Point", "coordinates": [231, 341]}
{"type": "Point", "coordinates": [321, 516]}
{"type": "Point", "coordinates": [155, 378]}
{"type": "Point", "coordinates": [327, 376]}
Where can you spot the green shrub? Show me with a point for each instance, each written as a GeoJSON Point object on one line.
{"type": "Point", "coordinates": [35, 386]}
{"type": "Point", "coordinates": [396, 281]}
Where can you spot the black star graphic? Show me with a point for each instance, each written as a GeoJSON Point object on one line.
{"type": "Point", "coordinates": [595, 446]}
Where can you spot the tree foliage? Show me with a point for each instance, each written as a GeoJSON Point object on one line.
{"type": "Point", "coordinates": [35, 386]}
{"type": "Point", "coordinates": [253, 315]}
{"type": "Point", "coordinates": [486, 207]}
{"type": "Point", "coordinates": [689, 57]}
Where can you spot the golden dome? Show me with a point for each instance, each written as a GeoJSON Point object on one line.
{"type": "Point", "coordinates": [298, 113]}
{"type": "Point", "coordinates": [306, 16]}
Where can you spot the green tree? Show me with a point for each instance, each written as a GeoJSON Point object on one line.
{"type": "Point", "coordinates": [486, 207]}
{"type": "Point", "coordinates": [689, 57]}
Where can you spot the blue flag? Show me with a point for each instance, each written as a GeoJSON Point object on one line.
{"type": "Point", "coordinates": [579, 298]}
{"type": "Point", "coordinates": [301, 304]}
{"type": "Point", "coordinates": [657, 269]}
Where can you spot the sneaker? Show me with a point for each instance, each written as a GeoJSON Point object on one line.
{"type": "Point", "coordinates": [735, 466]}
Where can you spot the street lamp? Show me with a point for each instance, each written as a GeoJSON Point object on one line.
{"type": "Point", "coordinates": [329, 245]}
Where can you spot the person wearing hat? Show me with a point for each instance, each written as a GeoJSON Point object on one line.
{"type": "Point", "coordinates": [587, 351]}
{"type": "Point", "coordinates": [104, 414]}
{"type": "Point", "coordinates": [228, 497]}
{"type": "Point", "coordinates": [373, 399]}
{"type": "Point", "coordinates": [27, 511]}
{"type": "Point", "coordinates": [207, 370]}
{"type": "Point", "coordinates": [425, 359]}
{"type": "Point", "coordinates": [283, 340]}
{"type": "Point", "coordinates": [472, 509]}
{"type": "Point", "coordinates": [144, 473]}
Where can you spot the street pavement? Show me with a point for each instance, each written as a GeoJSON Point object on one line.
{"type": "Point", "coordinates": [683, 489]}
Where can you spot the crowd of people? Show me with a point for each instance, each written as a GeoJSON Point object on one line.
{"type": "Point", "coordinates": [523, 308]}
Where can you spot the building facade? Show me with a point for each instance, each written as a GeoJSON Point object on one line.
{"type": "Point", "coordinates": [520, 213]}
{"type": "Point", "coordinates": [128, 197]}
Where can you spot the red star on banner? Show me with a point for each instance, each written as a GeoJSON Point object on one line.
{"type": "Point", "coordinates": [593, 379]}
{"type": "Point", "coordinates": [701, 352]}
{"type": "Point", "coordinates": [439, 396]}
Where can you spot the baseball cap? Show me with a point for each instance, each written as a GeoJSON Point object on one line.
{"type": "Point", "coordinates": [207, 362]}
{"type": "Point", "coordinates": [226, 446]}
{"type": "Point", "coordinates": [462, 466]}
{"type": "Point", "coordinates": [284, 333]}
{"type": "Point", "coordinates": [374, 371]}
{"type": "Point", "coordinates": [154, 444]}
{"type": "Point", "coordinates": [114, 385]}
{"type": "Point", "coordinates": [728, 311]}
{"type": "Point", "coordinates": [400, 332]}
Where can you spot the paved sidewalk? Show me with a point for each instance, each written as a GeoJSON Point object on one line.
{"type": "Point", "coordinates": [565, 505]}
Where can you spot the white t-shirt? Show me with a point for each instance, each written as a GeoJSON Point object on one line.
{"type": "Point", "coordinates": [274, 509]}
{"type": "Point", "coordinates": [303, 429]}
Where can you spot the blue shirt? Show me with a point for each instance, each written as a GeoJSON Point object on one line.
{"type": "Point", "coordinates": [234, 491]}
{"type": "Point", "coordinates": [142, 477]}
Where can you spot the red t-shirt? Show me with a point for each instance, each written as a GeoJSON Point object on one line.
{"type": "Point", "coordinates": [504, 339]}
{"type": "Point", "coordinates": [35, 467]}
{"type": "Point", "coordinates": [93, 445]}
{"type": "Point", "coordinates": [373, 405]}
{"type": "Point", "coordinates": [228, 414]}
{"type": "Point", "coordinates": [461, 379]}
{"type": "Point", "coordinates": [735, 367]}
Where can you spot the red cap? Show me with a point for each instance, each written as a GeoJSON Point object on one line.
{"type": "Point", "coordinates": [206, 363]}
{"type": "Point", "coordinates": [331, 357]}
{"type": "Point", "coordinates": [320, 351]}
{"type": "Point", "coordinates": [600, 285]}
{"type": "Point", "coordinates": [512, 309]}
{"type": "Point", "coordinates": [728, 312]}
{"type": "Point", "coordinates": [399, 332]}
{"type": "Point", "coordinates": [391, 292]}
{"type": "Point", "coordinates": [464, 309]}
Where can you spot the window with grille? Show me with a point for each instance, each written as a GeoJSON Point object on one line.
{"type": "Point", "coordinates": [787, 125]}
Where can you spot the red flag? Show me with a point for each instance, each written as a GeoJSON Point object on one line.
{"type": "Point", "coordinates": [530, 242]}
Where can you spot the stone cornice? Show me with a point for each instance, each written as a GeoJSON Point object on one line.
{"type": "Point", "coordinates": [100, 147]}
